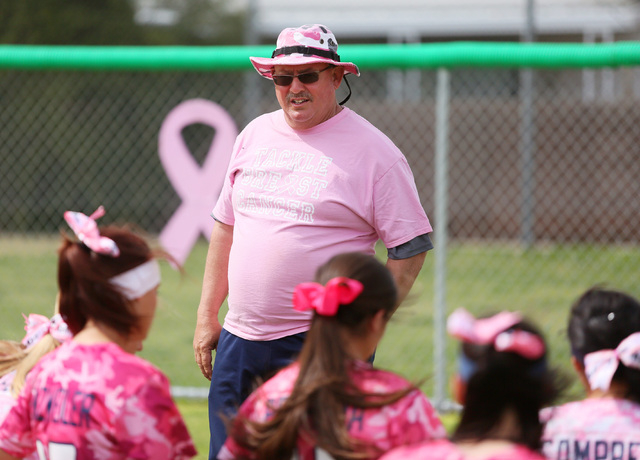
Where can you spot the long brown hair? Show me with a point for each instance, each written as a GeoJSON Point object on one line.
{"type": "Point", "coordinates": [84, 281]}
{"type": "Point", "coordinates": [324, 388]}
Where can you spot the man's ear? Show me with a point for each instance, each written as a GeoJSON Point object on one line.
{"type": "Point", "coordinates": [338, 75]}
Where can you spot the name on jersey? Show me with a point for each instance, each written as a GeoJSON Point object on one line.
{"type": "Point", "coordinates": [599, 449]}
{"type": "Point", "coordinates": [60, 405]}
{"type": "Point", "coordinates": [354, 416]}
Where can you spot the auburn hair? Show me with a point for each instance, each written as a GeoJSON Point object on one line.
{"type": "Point", "coordinates": [84, 281]}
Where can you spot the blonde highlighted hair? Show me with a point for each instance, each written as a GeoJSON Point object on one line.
{"type": "Point", "coordinates": [11, 354]}
{"type": "Point", "coordinates": [15, 357]}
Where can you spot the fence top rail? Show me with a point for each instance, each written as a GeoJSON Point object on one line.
{"type": "Point", "coordinates": [367, 56]}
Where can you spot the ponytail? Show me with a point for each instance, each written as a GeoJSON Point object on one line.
{"type": "Point", "coordinates": [324, 387]}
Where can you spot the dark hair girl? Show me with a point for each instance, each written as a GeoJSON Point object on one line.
{"type": "Point", "coordinates": [604, 332]}
{"type": "Point", "coordinates": [503, 381]}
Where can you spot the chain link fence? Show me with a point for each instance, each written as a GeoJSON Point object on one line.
{"type": "Point", "coordinates": [535, 213]}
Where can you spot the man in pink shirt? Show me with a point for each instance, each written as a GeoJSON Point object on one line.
{"type": "Point", "coordinates": [304, 183]}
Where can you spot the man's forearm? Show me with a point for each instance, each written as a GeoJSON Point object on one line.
{"type": "Point", "coordinates": [215, 281]}
{"type": "Point", "coordinates": [405, 272]}
{"type": "Point", "coordinates": [215, 287]}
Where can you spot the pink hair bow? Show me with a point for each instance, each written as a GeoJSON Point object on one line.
{"type": "Point", "coordinates": [37, 326]}
{"type": "Point", "coordinates": [493, 330]}
{"type": "Point", "coordinates": [601, 365]}
{"type": "Point", "coordinates": [325, 300]}
{"type": "Point", "coordinates": [86, 229]}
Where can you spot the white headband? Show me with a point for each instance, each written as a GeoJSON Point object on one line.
{"type": "Point", "coordinates": [139, 280]}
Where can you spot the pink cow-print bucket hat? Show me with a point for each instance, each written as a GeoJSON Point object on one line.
{"type": "Point", "coordinates": [306, 44]}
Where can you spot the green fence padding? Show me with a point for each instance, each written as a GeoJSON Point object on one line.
{"type": "Point", "coordinates": [423, 55]}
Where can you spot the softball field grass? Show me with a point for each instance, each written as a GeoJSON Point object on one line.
{"type": "Point", "coordinates": [542, 282]}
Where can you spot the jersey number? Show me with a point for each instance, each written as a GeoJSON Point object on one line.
{"type": "Point", "coordinates": [57, 451]}
{"type": "Point", "coordinates": [318, 454]}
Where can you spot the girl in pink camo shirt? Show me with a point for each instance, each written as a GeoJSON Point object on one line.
{"type": "Point", "coordinates": [331, 401]}
{"type": "Point", "coordinates": [503, 381]}
{"type": "Point", "coordinates": [43, 335]}
{"type": "Point", "coordinates": [92, 398]}
{"type": "Point", "coordinates": [604, 332]}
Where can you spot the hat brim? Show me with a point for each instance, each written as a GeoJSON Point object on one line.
{"type": "Point", "coordinates": [264, 66]}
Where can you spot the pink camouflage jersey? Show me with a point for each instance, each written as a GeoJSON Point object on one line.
{"type": "Point", "coordinates": [95, 402]}
{"type": "Point", "coordinates": [592, 429]}
{"type": "Point", "coordinates": [446, 450]}
{"type": "Point", "coordinates": [6, 399]}
{"type": "Point", "coordinates": [409, 420]}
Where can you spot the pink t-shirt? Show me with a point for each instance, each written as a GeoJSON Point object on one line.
{"type": "Point", "coordinates": [409, 420]}
{"type": "Point", "coordinates": [297, 198]}
{"type": "Point", "coordinates": [446, 450]}
{"type": "Point", "coordinates": [592, 429]}
{"type": "Point", "coordinates": [95, 402]}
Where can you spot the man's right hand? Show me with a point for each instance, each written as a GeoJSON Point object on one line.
{"type": "Point", "coordinates": [205, 340]}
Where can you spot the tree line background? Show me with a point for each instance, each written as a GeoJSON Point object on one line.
{"type": "Point", "coordinates": [111, 22]}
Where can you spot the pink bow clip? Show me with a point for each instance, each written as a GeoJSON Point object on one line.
{"type": "Point", "coordinates": [524, 343]}
{"type": "Point", "coordinates": [462, 325]}
{"type": "Point", "coordinates": [325, 300]}
{"type": "Point", "coordinates": [37, 326]}
{"type": "Point", "coordinates": [86, 229]}
{"type": "Point", "coordinates": [601, 365]}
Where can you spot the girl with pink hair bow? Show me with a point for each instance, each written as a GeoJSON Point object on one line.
{"type": "Point", "coordinates": [92, 398]}
{"type": "Point", "coordinates": [42, 335]}
{"type": "Point", "coordinates": [502, 381]}
{"type": "Point", "coordinates": [17, 359]}
{"type": "Point", "coordinates": [331, 402]}
{"type": "Point", "coordinates": [604, 334]}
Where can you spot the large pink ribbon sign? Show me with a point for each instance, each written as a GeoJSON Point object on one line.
{"type": "Point", "coordinates": [198, 187]}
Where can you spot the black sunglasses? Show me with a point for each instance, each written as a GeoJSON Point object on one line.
{"type": "Point", "coordinates": [304, 78]}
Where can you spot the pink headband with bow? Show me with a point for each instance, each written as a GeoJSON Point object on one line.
{"type": "Point", "coordinates": [493, 330]}
{"type": "Point", "coordinates": [601, 365]}
{"type": "Point", "coordinates": [325, 300]}
{"type": "Point", "coordinates": [37, 326]}
{"type": "Point", "coordinates": [86, 229]}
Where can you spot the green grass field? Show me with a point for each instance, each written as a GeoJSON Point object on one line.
{"type": "Point", "coordinates": [542, 282]}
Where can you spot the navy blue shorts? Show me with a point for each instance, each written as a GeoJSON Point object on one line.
{"type": "Point", "coordinates": [238, 365]}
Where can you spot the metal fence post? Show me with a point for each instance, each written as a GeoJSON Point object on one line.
{"type": "Point", "coordinates": [528, 137]}
{"type": "Point", "coordinates": [440, 278]}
